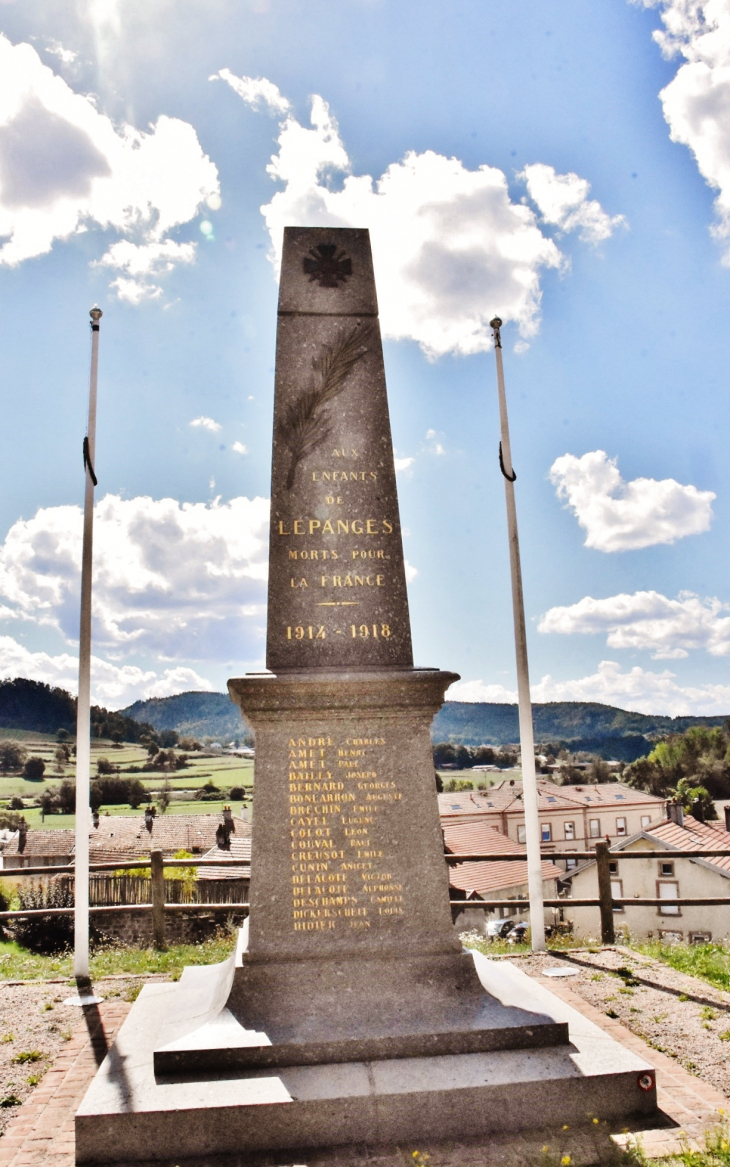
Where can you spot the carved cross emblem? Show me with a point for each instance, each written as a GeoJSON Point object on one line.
{"type": "Point", "coordinates": [327, 266]}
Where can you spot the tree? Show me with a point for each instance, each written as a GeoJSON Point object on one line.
{"type": "Point", "coordinates": [117, 738]}
{"type": "Point", "coordinates": [12, 756]}
{"type": "Point", "coordinates": [34, 769]}
{"type": "Point", "coordinates": [701, 755]}
{"type": "Point", "coordinates": [164, 797]}
{"type": "Point", "coordinates": [67, 797]}
{"type": "Point", "coordinates": [104, 766]}
{"type": "Point", "coordinates": [169, 738]}
{"type": "Point", "coordinates": [61, 759]}
{"type": "Point", "coordinates": [152, 749]}
{"type": "Point", "coordinates": [695, 800]}
{"type": "Point", "coordinates": [62, 735]}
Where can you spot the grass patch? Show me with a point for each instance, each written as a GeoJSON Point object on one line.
{"type": "Point", "coordinates": [495, 947]}
{"type": "Point", "coordinates": [19, 964]}
{"type": "Point", "coordinates": [709, 962]}
{"type": "Point", "coordinates": [29, 1055]}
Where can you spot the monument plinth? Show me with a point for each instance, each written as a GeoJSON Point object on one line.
{"type": "Point", "coordinates": [349, 1012]}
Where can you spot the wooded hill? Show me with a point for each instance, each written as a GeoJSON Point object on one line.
{"type": "Point", "coordinates": [40, 708]}
{"type": "Point", "coordinates": [572, 725]}
{"type": "Point", "coordinates": [194, 714]}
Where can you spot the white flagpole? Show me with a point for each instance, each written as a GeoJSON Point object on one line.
{"type": "Point", "coordinates": [83, 715]}
{"type": "Point", "coordinates": [527, 744]}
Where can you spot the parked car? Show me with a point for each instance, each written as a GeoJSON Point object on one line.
{"type": "Point", "coordinates": [498, 929]}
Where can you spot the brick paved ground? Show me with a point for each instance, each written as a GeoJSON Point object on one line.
{"type": "Point", "coordinates": [42, 1133]}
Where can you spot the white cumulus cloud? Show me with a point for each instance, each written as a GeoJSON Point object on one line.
{"type": "Point", "coordinates": [450, 247]}
{"type": "Point", "coordinates": [64, 166]}
{"type": "Point", "coordinates": [562, 200]}
{"type": "Point", "coordinates": [639, 690]}
{"type": "Point", "coordinates": [255, 91]}
{"type": "Point", "coordinates": [180, 581]}
{"type": "Point", "coordinates": [668, 628]}
{"type": "Point", "coordinates": [114, 686]}
{"type": "Point", "coordinates": [239, 448]}
{"type": "Point", "coordinates": [696, 102]}
{"type": "Point", "coordinates": [625, 516]}
{"type": "Point", "coordinates": [402, 464]}
{"type": "Point", "coordinates": [206, 423]}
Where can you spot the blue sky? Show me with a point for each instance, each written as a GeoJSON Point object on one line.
{"type": "Point", "coordinates": [567, 166]}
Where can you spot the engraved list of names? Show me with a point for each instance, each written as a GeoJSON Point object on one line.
{"type": "Point", "coordinates": [343, 873]}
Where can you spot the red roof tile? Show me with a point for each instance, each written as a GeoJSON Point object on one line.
{"type": "Point", "coordinates": [694, 836]}
{"type": "Point", "coordinates": [240, 849]}
{"type": "Point", "coordinates": [478, 838]}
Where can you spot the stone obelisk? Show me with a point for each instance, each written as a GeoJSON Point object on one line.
{"type": "Point", "coordinates": [351, 951]}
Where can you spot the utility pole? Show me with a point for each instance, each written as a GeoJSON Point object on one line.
{"type": "Point", "coordinates": [527, 743]}
{"type": "Point", "coordinates": [83, 712]}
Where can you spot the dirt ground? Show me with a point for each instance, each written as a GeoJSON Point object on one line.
{"type": "Point", "coordinates": [34, 1025]}
{"type": "Point", "coordinates": [680, 1015]}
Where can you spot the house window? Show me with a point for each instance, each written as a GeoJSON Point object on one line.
{"type": "Point", "coordinates": [546, 832]}
{"type": "Point", "coordinates": [645, 820]}
{"type": "Point", "coordinates": [700, 937]}
{"type": "Point", "coordinates": [571, 864]}
{"type": "Point", "coordinates": [666, 869]}
{"type": "Point", "coordinates": [670, 937]}
{"type": "Point", "coordinates": [521, 833]}
{"type": "Point", "coordinates": [613, 866]}
{"type": "Point", "coordinates": [668, 889]}
{"type": "Point", "coordinates": [617, 892]}
{"type": "Point", "coordinates": [620, 826]}
{"type": "Point", "coordinates": [569, 829]}
{"type": "Point", "coordinates": [595, 828]}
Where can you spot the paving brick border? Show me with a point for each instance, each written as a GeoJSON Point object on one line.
{"type": "Point", "coordinates": [685, 1099]}
{"type": "Point", "coordinates": [42, 1133]}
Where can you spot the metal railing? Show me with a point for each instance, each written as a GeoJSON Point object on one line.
{"type": "Point", "coordinates": [607, 904]}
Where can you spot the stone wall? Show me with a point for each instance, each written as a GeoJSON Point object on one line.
{"type": "Point", "coordinates": [135, 928]}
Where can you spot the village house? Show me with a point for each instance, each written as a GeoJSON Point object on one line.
{"type": "Point", "coordinates": [572, 818]}
{"type": "Point", "coordinates": [491, 880]}
{"type": "Point", "coordinates": [121, 837]}
{"type": "Point", "coordinates": [651, 878]}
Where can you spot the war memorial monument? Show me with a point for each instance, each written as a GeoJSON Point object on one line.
{"type": "Point", "coordinates": [350, 1012]}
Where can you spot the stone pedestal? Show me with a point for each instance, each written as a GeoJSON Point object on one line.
{"type": "Point", "coordinates": [349, 889]}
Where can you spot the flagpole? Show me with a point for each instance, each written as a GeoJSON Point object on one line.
{"type": "Point", "coordinates": [83, 714]}
{"type": "Point", "coordinates": [527, 744]}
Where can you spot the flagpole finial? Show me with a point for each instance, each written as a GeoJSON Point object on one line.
{"type": "Point", "coordinates": [96, 314]}
{"type": "Point", "coordinates": [495, 325]}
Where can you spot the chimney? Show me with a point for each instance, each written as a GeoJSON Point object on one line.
{"type": "Point", "coordinates": [727, 818]}
{"type": "Point", "coordinates": [675, 813]}
{"type": "Point", "coordinates": [22, 836]}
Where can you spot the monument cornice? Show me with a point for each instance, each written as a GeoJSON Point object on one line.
{"type": "Point", "coordinates": [337, 693]}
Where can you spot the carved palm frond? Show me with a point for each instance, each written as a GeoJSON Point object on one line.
{"type": "Point", "coordinates": [306, 424]}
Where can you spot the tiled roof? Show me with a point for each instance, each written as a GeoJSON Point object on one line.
{"type": "Point", "coordinates": [126, 837]}
{"type": "Point", "coordinates": [41, 844]}
{"type": "Point", "coordinates": [479, 838]}
{"type": "Point", "coordinates": [694, 836]}
{"type": "Point", "coordinates": [240, 849]}
{"type": "Point", "coordinates": [127, 834]}
{"type": "Point", "coordinates": [506, 797]}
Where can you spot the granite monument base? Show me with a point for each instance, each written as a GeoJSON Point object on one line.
{"type": "Point", "coordinates": [132, 1114]}
{"type": "Point", "coordinates": [320, 1011]}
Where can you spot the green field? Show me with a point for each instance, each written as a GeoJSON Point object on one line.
{"type": "Point", "coordinates": [223, 770]}
{"type": "Point", "coordinates": [481, 779]}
